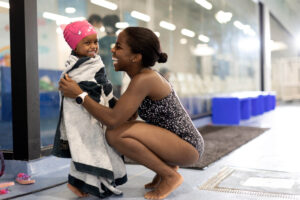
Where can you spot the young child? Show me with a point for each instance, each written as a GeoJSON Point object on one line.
{"type": "Point", "coordinates": [95, 168]}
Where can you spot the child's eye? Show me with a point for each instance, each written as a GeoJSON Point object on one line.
{"type": "Point", "coordinates": [87, 43]}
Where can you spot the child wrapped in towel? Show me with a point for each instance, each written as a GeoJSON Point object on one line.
{"type": "Point", "coordinates": [95, 168]}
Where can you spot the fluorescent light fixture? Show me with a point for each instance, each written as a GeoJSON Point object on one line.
{"type": "Point", "coordinates": [245, 28]}
{"type": "Point", "coordinates": [60, 19]}
{"type": "Point", "coordinates": [77, 19]}
{"type": "Point", "coordinates": [187, 32]}
{"type": "Point", "coordinates": [140, 16]}
{"type": "Point", "coordinates": [106, 4]}
{"type": "Point", "coordinates": [121, 25]}
{"type": "Point", "coordinates": [248, 30]}
{"type": "Point", "coordinates": [167, 25]}
{"type": "Point", "coordinates": [183, 41]}
{"type": "Point", "coordinates": [70, 10]}
{"type": "Point", "coordinates": [203, 38]}
{"type": "Point", "coordinates": [205, 4]}
{"type": "Point", "coordinates": [4, 4]}
{"type": "Point", "coordinates": [238, 24]}
{"type": "Point", "coordinates": [203, 50]}
{"type": "Point", "coordinates": [157, 33]}
{"type": "Point", "coordinates": [223, 17]}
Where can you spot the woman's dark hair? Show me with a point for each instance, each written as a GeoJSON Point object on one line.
{"type": "Point", "coordinates": [144, 41]}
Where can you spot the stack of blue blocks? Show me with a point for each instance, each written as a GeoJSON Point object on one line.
{"type": "Point", "coordinates": [232, 108]}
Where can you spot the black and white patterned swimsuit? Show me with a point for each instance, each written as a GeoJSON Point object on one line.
{"type": "Point", "coordinates": [169, 113]}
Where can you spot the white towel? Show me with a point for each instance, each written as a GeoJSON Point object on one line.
{"type": "Point", "coordinates": [95, 165]}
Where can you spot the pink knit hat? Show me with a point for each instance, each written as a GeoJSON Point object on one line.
{"type": "Point", "coordinates": [76, 31]}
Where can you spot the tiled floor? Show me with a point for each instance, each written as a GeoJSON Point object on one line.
{"type": "Point", "coordinates": [277, 149]}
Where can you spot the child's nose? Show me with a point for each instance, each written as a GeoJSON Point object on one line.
{"type": "Point", "coordinates": [94, 45]}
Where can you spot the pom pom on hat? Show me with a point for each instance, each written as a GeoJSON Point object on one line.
{"type": "Point", "coordinates": [76, 31]}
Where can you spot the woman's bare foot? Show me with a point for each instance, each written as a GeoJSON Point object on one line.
{"type": "Point", "coordinates": [76, 191]}
{"type": "Point", "coordinates": [156, 180]}
{"type": "Point", "coordinates": [154, 183]}
{"type": "Point", "coordinates": [165, 187]}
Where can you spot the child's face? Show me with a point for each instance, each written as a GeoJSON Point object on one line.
{"type": "Point", "coordinates": [88, 46]}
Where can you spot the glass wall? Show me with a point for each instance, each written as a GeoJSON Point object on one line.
{"type": "Point", "coordinates": [285, 62]}
{"type": "Point", "coordinates": [5, 82]}
{"type": "Point", "coordinates": [213, 47]}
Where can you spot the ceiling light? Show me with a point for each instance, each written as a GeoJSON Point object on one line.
{"type": "Point", "coordinates": [167, 25]}
{"type": "Point", "coordinates": [183, 41]}
{"type": "Point", "coordinates": [223, 17]}
{"type": "Point", "coordinates": [4, 4]}
{"type": "Point", "coordinates": [157, 33]}
{"type": "Point", "coordinates": [203, 38]}
{"type": "Point", "coordinates": [140, 16]}
{"type": "Point", "coordinates": [105, 4]}
{"type": "Point", "coordinates": [187, 32]}
{"type": "Point", "coordinates": [238, 24]}
{"type": "Point", "coordinates": [245, 28]}
{"type": "Point", "coordinates": [60, 19]}
{"type": "Point", "coordinates": [77, 19]}
{"type": "Point", "coordinates": [70, 10]}
{"type": "Point", "coordinates": [205, 4]}
{"type": "Point", "coordinates": [203, 50]}
{"type": "Point", "coordinates": [121, 25]}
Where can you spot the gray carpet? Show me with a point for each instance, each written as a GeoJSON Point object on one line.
{"type": "Point", "coordinates": [220, 141]}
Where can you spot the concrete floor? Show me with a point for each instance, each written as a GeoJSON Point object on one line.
{"type": "Point", "coordinates": [275, 150]}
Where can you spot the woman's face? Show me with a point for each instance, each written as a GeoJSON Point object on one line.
{"type": "Point", "coordinates": [88, 46]}
{"type": "Point", "coordinates": [121, 53]}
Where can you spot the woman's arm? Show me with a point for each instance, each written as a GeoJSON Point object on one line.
{"type": "Point", "coordinates": [126, 106]}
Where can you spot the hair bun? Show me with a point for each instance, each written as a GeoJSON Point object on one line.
{"type": "Point", "coordinates": [163, 57]}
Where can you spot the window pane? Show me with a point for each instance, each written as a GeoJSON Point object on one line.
{"type": "Point", "coordinates": [5, 91]}
{"type": "Point", "coordinates": [221, 55]}
{"type": "Point", "coordinates": [285, 63]}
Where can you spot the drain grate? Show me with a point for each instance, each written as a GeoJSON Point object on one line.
{"type": "Point", "coordinates": [255, 182]}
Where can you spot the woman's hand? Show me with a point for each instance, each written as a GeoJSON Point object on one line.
{"type": "Point", "coordinates": [69, 88]}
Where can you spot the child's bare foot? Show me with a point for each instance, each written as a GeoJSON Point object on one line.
{"type": "Point", "coordinates": [165, 187]}
{"type": "Point", "coordinates": [156, 180]}
{"type": "Point", "coordinates": [77, 191]}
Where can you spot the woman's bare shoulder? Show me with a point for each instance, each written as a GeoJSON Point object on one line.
{"type": "Point", "coordinates": [145, 76]}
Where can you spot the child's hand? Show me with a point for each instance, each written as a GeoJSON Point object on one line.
{"type": "Point", "coordinates": [68, 87]}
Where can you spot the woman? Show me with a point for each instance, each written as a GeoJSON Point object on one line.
{"type": "Point", "coordinates": [167, 139]}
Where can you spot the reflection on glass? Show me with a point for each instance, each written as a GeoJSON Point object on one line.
{"type": "Point", "coordinates": [219, 50]}
{"type": "Point", "coordinates": [5, 80]}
